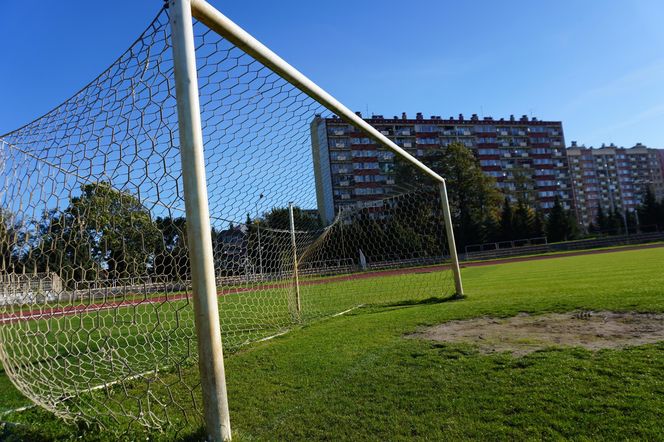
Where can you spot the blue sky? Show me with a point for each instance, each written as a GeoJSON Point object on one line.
{"type": "Point", "coordinates": [596, 65]}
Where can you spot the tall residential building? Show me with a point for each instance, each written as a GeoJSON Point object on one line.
{"type": "Point", "coordinates": [613, 178]}
{"type": "Point", "coordinates": [527, 157]}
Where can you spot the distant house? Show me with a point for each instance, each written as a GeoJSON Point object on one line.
{"type": "Point", "coordinates": [230, 250]}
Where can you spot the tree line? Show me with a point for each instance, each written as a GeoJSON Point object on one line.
{"type": "Point", "coordinates": [649, 216]}
{"type": "Point", "coordinates": [108, 234]}
{"type": "Point", "coordinates": [480, 212]}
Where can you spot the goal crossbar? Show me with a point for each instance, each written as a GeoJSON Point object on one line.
{"type": "Point", "coordinates": [226, 28]}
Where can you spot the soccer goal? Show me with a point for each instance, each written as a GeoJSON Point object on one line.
{"type": "Point", "coordinates": [176, 200]}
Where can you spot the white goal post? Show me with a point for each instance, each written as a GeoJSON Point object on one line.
{"type": "Point", "coordinates": [196, 199]}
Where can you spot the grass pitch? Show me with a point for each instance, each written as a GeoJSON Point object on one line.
{"type": "Point", "coordinates": [357, 377]}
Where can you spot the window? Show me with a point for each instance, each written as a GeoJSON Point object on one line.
{"type": "Point", "coordinates": [338, 130]}
{"type": "Point", "coordinates": [386, 167]}
{"type": "Point", "coordinates": [489, 163]}
{"type": "Point", "coordinates": [364, 153]}
{"type": "Point", "coordinates": [427, 141]}
{"type": "Point", "coordinates": [365, 166]}
{"type": "Point", "coordinates": [340, 168]}
{"type": "Point", "coordinates": [425, 128]}
{"type": "Point", "coordinates": [485, 129]}
{"type": "Point", "coordinates": [339, 156]}
{"type": "Point", "coordinates": [369, 191]}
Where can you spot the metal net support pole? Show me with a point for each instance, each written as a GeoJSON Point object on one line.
{"type": "Point", "coordinates": [296, 278]}
{"type": "Point", "coordinates": [450, 239]}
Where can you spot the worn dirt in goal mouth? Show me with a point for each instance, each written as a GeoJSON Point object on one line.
{"type": "Point", "coordinates": [524, 333]}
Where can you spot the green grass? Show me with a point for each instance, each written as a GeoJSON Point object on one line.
{"type": "Point", "coordinates": [356, 377]}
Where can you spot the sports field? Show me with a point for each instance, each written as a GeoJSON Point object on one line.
{"type": "Point", "coordinates": [358, 377]}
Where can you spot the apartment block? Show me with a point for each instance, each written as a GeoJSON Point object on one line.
{"type": "Point", "coordinates": [613, 178]}
{"type": "Point", "coordinates": [527, 157]}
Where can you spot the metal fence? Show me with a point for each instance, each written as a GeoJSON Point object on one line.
{"type": "Point", "coordinates": [567, 246]}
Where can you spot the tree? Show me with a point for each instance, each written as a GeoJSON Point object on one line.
{"type": "Point", "coordinates": [560, 224]}
{"type": "Point", "coordinates": [278, 218]}
{"type": "Point", "coordinates": [63, 246]}
{"type": "Point", "coordinates": [473, 195]}
{"type": "Point", "coordinates": [524, 219]}
{"type": "Point", "coordinates": [507, 221]}
{"type": "Point", "coordinates": [537, 226]}
{"type": "Point", "coordinates": [650, 211]}
{"type": "Point", "coordinates": [615, 222]}
{"type": "Point", "coordinates": [601, 221]}
{"type": "Point", "coordinates": [104, 230]}
{"type": "Point", "coordinates": [8, 241]}
{"type": "Point", "coordinates": [171, 257]}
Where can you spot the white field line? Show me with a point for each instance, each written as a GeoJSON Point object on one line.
{"type": "Point", "coordinates": [331, 316]}
{"type": "Point", "coordinates": [273, 336]}
{"type": "Point", "coordinates": [18, 410]}
{"type": "Point", "coordinates": [347, 311]}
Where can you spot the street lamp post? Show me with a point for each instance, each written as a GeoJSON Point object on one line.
{"type": "Point", "coordinates": [260, 248]}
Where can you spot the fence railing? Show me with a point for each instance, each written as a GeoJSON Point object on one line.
{"type": "Point", "coordinates": [500, 245]}
{"type": "Point", "coordinates": [593, 243]}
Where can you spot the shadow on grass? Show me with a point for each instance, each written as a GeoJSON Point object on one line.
{"type": "Point", "coordinates": [427, 301]}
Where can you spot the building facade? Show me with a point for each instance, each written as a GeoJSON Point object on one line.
{"type": "Point", "coordinates": [527, 157]}
{"type": "Point", "coordinates": [613, 177]}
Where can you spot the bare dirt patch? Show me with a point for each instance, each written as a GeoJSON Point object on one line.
{"type": "Point", "coordinates": [524, 333]}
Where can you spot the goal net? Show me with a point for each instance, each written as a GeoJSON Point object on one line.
{"type": "Point", "coordinates": [96, 316]}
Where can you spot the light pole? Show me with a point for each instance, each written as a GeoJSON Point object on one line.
{"type": "Point", "coordinates": [260, 249]}
{"type": "Point", "coordinates": [609, 180]}
{"type": "Point", "coordinates": [614, 208]}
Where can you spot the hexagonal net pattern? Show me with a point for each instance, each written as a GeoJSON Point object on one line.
{"type": "Point", "coordinates": [96, 317]}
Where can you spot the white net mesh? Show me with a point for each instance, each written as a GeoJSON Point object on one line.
{"type": "Point", "coordinates": [96, 318]}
